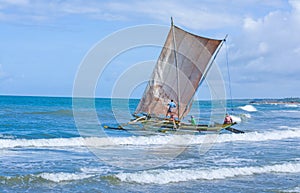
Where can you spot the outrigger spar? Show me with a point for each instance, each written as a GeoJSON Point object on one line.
{"type": "Point", "coordinates": [181, 67]}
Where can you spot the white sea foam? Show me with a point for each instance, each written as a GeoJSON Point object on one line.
{"type": "Point", "coordinates": [248, 108]}
{"type": "Point", "coordinates": [62, 176]}
{"type": "Point", "coordinates": [55, 142]}
{"type": "Point", "coordinates": [292, 190]}
{"type": "Point", "coordinates": [96, 170]}
{"type": "Point", "coordinates": [182, 175]}
{"type": "Point", "coordinates": [245, 116]}
{"type": "Point", "coordinates": [149, 140]}
{"type": "Point", "coordinates": [236, 118]}
{"type": "Point", "coordinates": [291, 105]}
{"type": "Point", "coordinates": [91, 142]}
{"type": "Point", "coordinates": [6, 136]}
{"type": "Point", "coordinates": [234, 160]}
{"type": "Point", "coordinates": [260, 136]}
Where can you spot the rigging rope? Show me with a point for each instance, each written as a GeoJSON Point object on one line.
{"type": "Point", "coordinates": [228, 74]}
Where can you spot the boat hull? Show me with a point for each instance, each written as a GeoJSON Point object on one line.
{"type": "Point", "coordinates": [170, 126]}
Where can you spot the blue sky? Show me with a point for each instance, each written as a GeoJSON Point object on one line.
{"type": "Point", "coordinates": [42, 43]}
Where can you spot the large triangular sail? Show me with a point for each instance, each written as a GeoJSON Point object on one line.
{"type": "Point", "coordinates": [182, 64]}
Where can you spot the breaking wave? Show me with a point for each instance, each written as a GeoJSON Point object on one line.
{"type": "Point", "coordinates": [248, 108]}
{"type": "Point", "coordinates": [245, 116]}
{"type": "Point", "coordinates": [293, 190]}
{"type": "Point", "coordinates": [158, 176]}
{"type": "Point", "coordinates": [62, 176]}
{"type": "Point", "coordinates": [182, 175]}
{"type": "Point", "coordinates": [236, 118]}
{"type": "Point", "coordinates": [149, 140]}
{"type": "Point", "coordinates": [38, 178]}
{"type": "Point", "coordinates": [292, 105]}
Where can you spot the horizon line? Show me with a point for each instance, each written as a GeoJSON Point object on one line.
{"type": "Point", "coordinates": [99, 97]}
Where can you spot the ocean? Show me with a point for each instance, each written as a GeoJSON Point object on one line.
{"type": "Point", "coordinates": [43, 150]}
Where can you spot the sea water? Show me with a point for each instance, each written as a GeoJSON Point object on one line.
{"type": "Point", "coordinates": [43, 150]}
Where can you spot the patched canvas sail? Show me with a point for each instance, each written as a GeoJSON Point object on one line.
{"type": "Point", "coordinates": [182, 64]}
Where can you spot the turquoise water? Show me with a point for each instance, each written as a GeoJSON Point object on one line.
{"type": "Point", "coordinates": [43, 151]}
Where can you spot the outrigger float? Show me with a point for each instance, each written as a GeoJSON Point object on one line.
{"type": "Point", "coordinates": [182, 66]}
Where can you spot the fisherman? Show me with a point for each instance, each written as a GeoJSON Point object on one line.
{"type": "Point", "coordinates": [171, 105]}
{"type": "Point", "coordinates": [172, 118]}
{"type": "Point", "coordinates": [228, 119]}
{"type": "Point", "coordinates": [193, 121]}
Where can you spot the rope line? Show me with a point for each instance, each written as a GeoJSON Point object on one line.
{"type": "Point", "coordinates": [229, 79]}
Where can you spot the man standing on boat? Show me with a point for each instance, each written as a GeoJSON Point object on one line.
{"type": "Point", "coordinates": [172, 106]}
{"type": "Point", "coordinates": [193, 121]}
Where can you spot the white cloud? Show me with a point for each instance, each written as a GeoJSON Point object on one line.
{"type": "Point", "coordinates": [297, 50]}
{"type": "Point", "coordinates": [274, 33]}
{"type": "Point", "coordinates": [77, 9]}
{"type": "Point", "coordinates": [251, 24]}
{"type": "Point", "coordinates": [295, 4]}
{"type": "Point", "coordinates": [266, 52]}
{"type": "Point", "coordinates": [30, 11]}
{"type": "Point", "coordinates": [14, 2]}
{"type": "Point", "coordinates": [190, 14]}
{"type": "Point", "coordinates": [263, 48]}
{"type": "Point", "coordinates": [263, 35]}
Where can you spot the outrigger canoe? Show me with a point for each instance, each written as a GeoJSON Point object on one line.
{"type": "Point", "coordinates": [182, 66]}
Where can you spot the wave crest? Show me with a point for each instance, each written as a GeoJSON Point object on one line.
{"type": "Point", "coordinates": [62, 176]}
{"type": "Point", "coordinates": [149, 140]}
{"type": "Point", "coordinates": [182, 175]}
{"type": "Point", "coordinates": [248, 108]}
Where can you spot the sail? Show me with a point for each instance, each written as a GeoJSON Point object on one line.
{"type": "Point", "coordinates": [182, 64]}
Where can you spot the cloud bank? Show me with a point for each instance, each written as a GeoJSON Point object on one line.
{"type": "Point", "coordinates": [264, 41]}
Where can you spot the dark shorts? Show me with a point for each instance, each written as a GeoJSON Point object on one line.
{"type": "Point", "coordinates": [171, 110]}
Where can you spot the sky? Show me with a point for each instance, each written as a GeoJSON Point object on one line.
{"type": "Point", "coordinates": [43, 42]}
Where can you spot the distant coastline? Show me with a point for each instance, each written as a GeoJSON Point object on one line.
{"type": "Point", "coordinates": [289, 101]}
